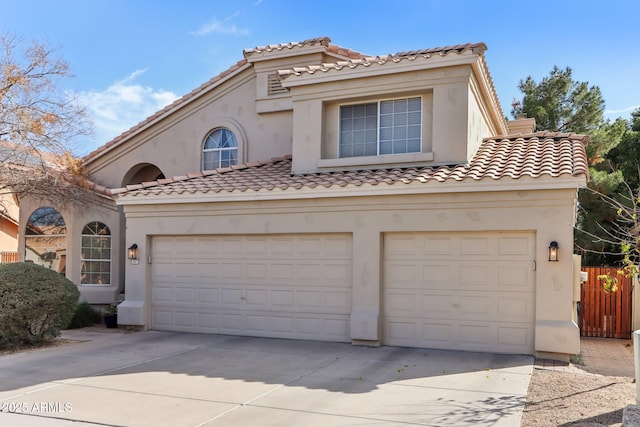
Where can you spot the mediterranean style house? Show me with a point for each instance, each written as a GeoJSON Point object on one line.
{"type": "Point", "coordinates": [314, 192]}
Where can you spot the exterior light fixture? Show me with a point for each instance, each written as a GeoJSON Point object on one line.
{"type": "Point", "coordinates": [133, 253]}
{"type": "Point", "coordinates": [553, 251]}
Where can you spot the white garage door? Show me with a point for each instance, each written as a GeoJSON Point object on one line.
{"type": "Point", "coordinates": [285, 286]}
{"type": "Point", "coordinates": [464, 291]}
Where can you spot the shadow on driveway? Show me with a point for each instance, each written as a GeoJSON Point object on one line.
{"type": "Point", "coordinates": [178, 379]}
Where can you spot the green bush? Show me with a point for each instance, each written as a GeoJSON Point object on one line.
{"type": "Point", "coordinates": [85, 315]}
{"type": "Point", "coordinates": [35, 303]}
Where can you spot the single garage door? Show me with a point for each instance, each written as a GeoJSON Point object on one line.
{"type": "Point", "coordinates": [285, 286]}
{"type": "Point", "coordinates": [463, 291]}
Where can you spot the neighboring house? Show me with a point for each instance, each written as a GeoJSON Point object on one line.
{"type": "Point", "coordinates": [313, 192]}
{"type": "Point", "coordinates": [9, 212]}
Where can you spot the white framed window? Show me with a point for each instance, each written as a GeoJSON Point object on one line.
{"type": "Point", "coordinates": [96, 255]}
{"type": "Point", "coordinates": [383, 127]}
{"type": "Point", "coordinates": [220, 149]}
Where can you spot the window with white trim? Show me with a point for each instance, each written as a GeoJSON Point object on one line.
{"type": "Point", "coordinates": [220, 150]}
{"type": "Point", "coordinates": [383, 127]}
{"type": "Point", "coordinates": [96, 255]}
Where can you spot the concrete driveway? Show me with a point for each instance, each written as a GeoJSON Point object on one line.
{"type": "Point", "coordinates": [174, 379]}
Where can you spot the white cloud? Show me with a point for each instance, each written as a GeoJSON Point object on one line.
{"type": "Point", "coordinates": [622, 111]}
{"type": "Point", "coordinates": [122, 105]}
{"type": "Point", "coordinates": [221, 27]}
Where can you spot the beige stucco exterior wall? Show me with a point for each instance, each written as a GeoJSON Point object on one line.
{"type": "Point", "coordinates": [478, 127]}
{"type": "Point", "coordinates": [175, 144]}
{"type": "Point", "coordinates": [75, 220]}
{"type": "Point", "coordinates": [8, 229]}
{"type": "Point", "coordinates": [8, 236]}
{"type": "Point", "coordinates": [549, 214]}
{"type": "Point", "coordinates": [446, 108]}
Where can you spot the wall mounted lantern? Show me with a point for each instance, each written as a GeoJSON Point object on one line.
{"type": "Point", "coordinates": [553, 251]}
{"type": "Point", "coordinates": [133, 253]}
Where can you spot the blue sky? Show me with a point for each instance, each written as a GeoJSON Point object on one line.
{"type": "Point", "coordinates": [132, 57]}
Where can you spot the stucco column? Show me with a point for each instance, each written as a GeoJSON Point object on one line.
{"type": "Point", "coordinates": [134, 309]}
{"type": "Point", "coordinates": [365, 312]}
{"type": "Point", "coordinates": [556, 331]}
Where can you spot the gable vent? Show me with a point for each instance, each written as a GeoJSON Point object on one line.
{"type": "Point", "coordinates": [274, 85]}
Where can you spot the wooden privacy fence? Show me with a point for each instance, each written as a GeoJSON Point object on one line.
{"type": "Point", "coordinates": [8, 257]}
{"type": "Point", "coordinates": [605, 314]}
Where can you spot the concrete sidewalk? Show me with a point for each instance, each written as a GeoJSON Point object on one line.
{"type": "Point", "coordinates": [175, 379]}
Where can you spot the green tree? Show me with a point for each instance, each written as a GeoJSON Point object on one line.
{"type": "Point", "coordinates": [560, 104]}
{"type": "Point", "coordinates": [626, 155]}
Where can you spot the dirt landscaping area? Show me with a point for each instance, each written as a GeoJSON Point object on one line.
{"type": "Point", "coordinates": [570, 399]}
{"type": "Point", "coordinates": [592, 391]}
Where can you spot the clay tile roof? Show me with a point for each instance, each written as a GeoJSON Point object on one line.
{"type": "Point", "coordinates": [323, 41]}
{"type": "Point", "coordinates": [366, 61]}
{"type": "Point", "coordinates": [501, 157]}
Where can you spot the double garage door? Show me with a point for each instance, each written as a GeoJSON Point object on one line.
{"type": "Point", "coordinates": [466, 291]}
{"type": "Point", "coordinates": [284, 286]}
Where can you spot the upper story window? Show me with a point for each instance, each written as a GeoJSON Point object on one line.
{"type": "Point", "coordinates": [220, 150]}
{"type": "Point", "coordinates": [383, 127]}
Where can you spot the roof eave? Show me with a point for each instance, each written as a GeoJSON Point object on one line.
{"type": "Point", "coordinates": [372, 67]}
{"type": "Point", "coordinates": [468, 185]}
{"type": "Point", "coordinates": [161, 115]}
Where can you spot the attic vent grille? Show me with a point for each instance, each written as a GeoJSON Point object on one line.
{"type": "Point", "coordinates": [274, 85]}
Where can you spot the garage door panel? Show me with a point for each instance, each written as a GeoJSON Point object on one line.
{"type": "Point", "coordinates": [476, 306]}
{"type": "Point", "coordinates": [231, 296]}
{"type": "Point", "coordinates": [184, 319]}
{"type": "Point", "coordinates": [258, 297]}
{"type": "Point", "coordinates": [185, 295]}
{"type": "Point", "coordinates": [290, 286]}
{"type": "Point", "coordinates": [515, 246]}
{"type": "Point", "coordinates": [282, 298]}
{"type": "Point", "coordinates": [208, 296]}
{"type": "Point", "coordinates": [437, 334]}
{"type": "Point", "coordinates": [257, 271]}
{"type": "Point", "coordinates": [514, 337]}
{"type": "Point", "coordinates": [162, 317]}
{"type": "Point", "coordinates": [515, 275]}
{"type": "Point", "coordinates": [309, 299]}
{"type": "Point", "coordinates": [474, 335]}
{"type": "Point", "coordinates": [476, 246]}
{"type": "Point", "coordinates": [339, 301]}
{"type": "Point", "coordinates": [460, 290]}
{"type": "Point", "coordinates": [436, 305]}
{"type": "Point", "coordinates": [400, 302]}
{"type": "Point", "coordinates": [515, 309]}
{"type": "Point", "coordinates": [209, 322]}
{"type": "Point", "coordinates": [162, 295]}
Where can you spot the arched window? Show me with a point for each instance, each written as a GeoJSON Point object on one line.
{"type": "Point", "coordinates": [220, 150]}
{"type": "Point", "coordinates": [45, 241]}
{"type": "Point", "coordinates": [96, 255]}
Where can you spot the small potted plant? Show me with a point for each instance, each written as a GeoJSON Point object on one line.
{"type": "Point", "coordinates": [110, 316]}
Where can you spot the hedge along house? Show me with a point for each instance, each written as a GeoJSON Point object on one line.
{"type": "Point", "coordinates": [343, 197]}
